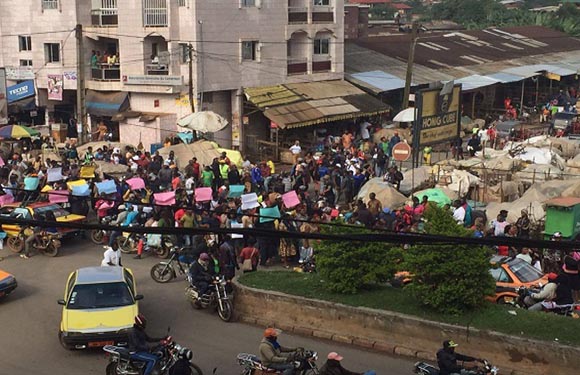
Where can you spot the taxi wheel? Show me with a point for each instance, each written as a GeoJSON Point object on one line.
{"type": "Point", "coordinates": [61, 340]}
{"type": "Point", "coordinates": [16, 244]}
{"type": "Point", "coordinates": [505, 300]}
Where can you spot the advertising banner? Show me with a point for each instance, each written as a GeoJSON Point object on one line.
{"type": "Point", "coordinates": [55, 87]}
{"type": "Point", "coordinates": [438, 116]}
{"type": "Point", "coordinates": [3, 100]}
{"type": "Point", "coordinates": [20, 91]}
{"type": "Point", "coordinates": [160, 80]}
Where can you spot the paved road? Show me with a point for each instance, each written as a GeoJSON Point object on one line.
{"type": "Point", "coordinates": [30, 319]}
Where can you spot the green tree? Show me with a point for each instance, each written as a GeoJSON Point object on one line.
{"type": "Point", "coordinates": [348, 267]}
{"type": "Point", "coordinates": [449, 278]}
{"type": "Point", "coordinates": [381, 12]}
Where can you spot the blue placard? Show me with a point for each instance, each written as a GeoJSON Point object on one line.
{"type": "Point", "coordinates": [20, 91]}
{"type": "Point", "coordinates": [107, 187]}
{"type": "Point", "coordinates": [81, 191]}
{"type": "Point", "coordinates": [31, 183]}
{"type": "Point", "coordinates": [236, 191]}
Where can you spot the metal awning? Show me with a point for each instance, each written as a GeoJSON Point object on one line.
{"type": "Point", "coordinates": [377, 81]}
{"type": "Point", "coordinates": [504, 77]}
{"type": "Point", "coordinates": [106, 103]}
{"type": "Point", "coordinates": [475, 81]}
{"type": "Point", "coordinates": [22, 105]}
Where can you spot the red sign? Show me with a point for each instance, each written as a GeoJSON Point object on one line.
{"type": "Point", "coordinates": [401, 151]}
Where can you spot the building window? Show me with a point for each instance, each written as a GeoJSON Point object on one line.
{"type": "Point", "coordinates": [52, 52]}
{"type": "Point", "coordinates": [24, 43]}
{"type": "Point", "coordinates": [155, 13]}
{"type": "Point", "coordinates": [249, 50]}
{"type": "Point", "coordinates": [321, 46]}
{"type": "Point", "coordinates": [49, 4]}
{"type": "Point", "coordinates": [25, 62]}
{"type": "Point", "coordinates": [248, 3]}
{"type": "Point", "coordinates": [184, 47]}
{"type": "Point", "coordinates": [182, 3]}
{"type": "Point", "coordinates": [322, 2]}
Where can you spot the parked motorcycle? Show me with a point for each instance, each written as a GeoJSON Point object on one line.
{"type": "Point", "coordinates": [122, 363]}
{"type": "Point", "coordinates": [100, 236]}
{"type": "Point", "coordinates": [216, 297]}
{"type": "Point", "coordinates": [305, 364]}
{"type": "Point", "coordinates": [164, 272]}
{"type": "Point", "coordinates": [547, 306]}
{"type": "Point", "coordinates": [49, 242]}
{"type": "Point", "coordinates": [422, 368]}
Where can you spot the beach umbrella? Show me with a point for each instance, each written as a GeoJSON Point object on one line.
{"type": "Point", "coordinates": [406, 115]}
{"type": "Point", "coordinates": [17, 132]}
{"type": "Point", "coordinates": [204, 122]}
{"type": "Point", "coordinates": [436, 195]}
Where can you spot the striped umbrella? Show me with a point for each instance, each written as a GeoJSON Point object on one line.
{"type": "Point", "coordinates": [17, 132]}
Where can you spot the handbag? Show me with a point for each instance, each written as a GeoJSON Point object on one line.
{"type": "Point", "coordinates": [247, 263]}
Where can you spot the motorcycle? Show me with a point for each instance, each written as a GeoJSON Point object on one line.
{"type": "Point", "coordinates": [100, 236]}
{"type": "Point", "coordinates": [49, 242]}
{"type": "Point", "coordinates": [547, 306]}
{"type": "Point", "coordinates": [216, 297]}
{"type": "Point", "coordinates": [122, 363]}
{"type": "Point", "coordinates": [304, 364]}
{"type": "Point", "coordinates": [164, 272]}
{"type": "Point", "coordinates": [422, 368]}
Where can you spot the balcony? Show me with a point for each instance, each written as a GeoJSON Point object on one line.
{"type": "Point", "coordinates": [106, 72]}
{"type": "Point", "coordinates": [106, 15]}
{"type": "Point", "coordinates": [297, 14]}
{"type": "Point", "coordinates": [323, 14]}
{"type": "Point", "coordinates": [321, 63]}
{"type": "Point", "coordinates": [297, 65]}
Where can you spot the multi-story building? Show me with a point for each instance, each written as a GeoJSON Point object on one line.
{"type": "Point", "coordinates": [234, 44]}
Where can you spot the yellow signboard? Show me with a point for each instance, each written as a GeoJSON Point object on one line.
{"type": "Point", "coordinates": [438, 116]}
{"type": "Point", "coordinates": [552, 76]}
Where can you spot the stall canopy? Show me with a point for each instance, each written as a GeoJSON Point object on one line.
{"type": "Point", "coordinates": [303, 104]}
{"type": "Point", "coordinates": [377, 81]}
{"type": "Point", "coordinates": [106, 103]}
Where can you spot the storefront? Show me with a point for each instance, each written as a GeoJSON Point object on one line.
{"type": "Point", "coordinates": [105, 107]}
{"type": "Point", "coordinates": [310, 112]}
{"type": "Point", "coordinates": [22, 107]}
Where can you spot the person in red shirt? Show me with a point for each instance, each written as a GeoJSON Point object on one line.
{"type": "Point", "coordinates": [250, 252]}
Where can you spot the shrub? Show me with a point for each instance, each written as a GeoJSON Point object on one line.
{"type": "Point", "coordinates": [348, 267]}
{"type": "Point", "coordinates": [449, 278]}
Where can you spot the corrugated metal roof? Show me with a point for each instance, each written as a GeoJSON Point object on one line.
{"type": "Point", "coordinates": [379, 80]}
{"type": "Point", "coordinates": [267, 96]}
{"type": "Point", "coordinates": [504, 77]}
{"type": "Point", "coordinates": [324, 89]}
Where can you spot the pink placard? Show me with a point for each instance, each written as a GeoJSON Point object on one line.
{"type": "Point", "coordinates": [1, 162]}
{"type": "Point", "coordinates": [136, 183]}
{"type": "Point", "coordinates": [165, 199]}
{"type": "Point", "coordinates": [203, 194]}
{"type": "Point", "coordinates": [58, 196]}
{"type": "Point", "coordinates": [6, 199]}
{"type": "Point", "coordinates": [291, 199]}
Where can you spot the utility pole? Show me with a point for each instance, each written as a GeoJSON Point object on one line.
{"type": "Point", "coordinates": [81, 105]}
{"type": "Point", "coordinates": [190, 57]}
{"type": "Point", "coordinates": [200, 52]}
{"type": "Point", "coordinates": [410, 62]}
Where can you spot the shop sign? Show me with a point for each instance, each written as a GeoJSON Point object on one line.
{"type": "Point", "coordinates": [20, 91]}
{"type": "Point", "coordinates": [153, 80]}
{"type": "Point", "coordinates": [438, 116]}
{"type": "Point", "coordinates": [70, 75]}
{"type": "Point", "coordinates": [19, 73]}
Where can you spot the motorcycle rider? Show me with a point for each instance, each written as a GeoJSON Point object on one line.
{"type": "Point", "coordinates": [112, 256]}
{"type": "Point", "coordinates": [548, 293]}
{"type": "Point", "coordinates": [447, 360]}
{"type": "Point", "coordinates": [37, 233]}
{"type": "Point", "coordinates": [138, 340]}
{"type": "Point", "coordinates": [275, 356]}
{"type": "Point", "coordinates": [201, 273]}
{"type": "Point", "coordinates": [334, 367]}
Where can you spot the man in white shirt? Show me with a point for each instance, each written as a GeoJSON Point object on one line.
{"type": "Point", "coordinates": [459, 213]}
{"type": "Point", "coordinates": [296, 150]}
{"type": "Point", "coordinates": [364, 130]}
{"type": "Point", "coordinates": [112, 256]}
{"type": "Point", "coordinates": [525, 255]}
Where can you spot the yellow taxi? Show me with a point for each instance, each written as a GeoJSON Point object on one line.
{"type": "Point", "coordinates": [39, 209]}
{"type": "Point", "coordinates": [99, 307]}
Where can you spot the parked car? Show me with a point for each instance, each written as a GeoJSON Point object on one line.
{"type": "Point", "coordinates": [562, 121]}
{"type": "Point", "coordinates": [7, 283]}
{"type": "Point", "coordinates": [19, 211]}
{"type": "Point", "coordinates": [508, 273]}
{"type": "Point", "coordinates": [511, 273]}
{"type": "Point", "coordinates": [507, 129]}
{"type": "Point", "coordinates": [99, 307]}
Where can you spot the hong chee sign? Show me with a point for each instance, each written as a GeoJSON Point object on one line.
{"type": "Point", "coordinates": [20, 91]}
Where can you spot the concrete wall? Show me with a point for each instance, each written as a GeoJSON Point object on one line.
{"type": "Point", "coordinates": [400, 334]}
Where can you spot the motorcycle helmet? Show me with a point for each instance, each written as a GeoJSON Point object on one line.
{"type": "Point", "coordinates": [204, 257]}
{"type": "Point", "coordinates": [185, 353]}
{"type": "Point", "coordinates": [141, 321]}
